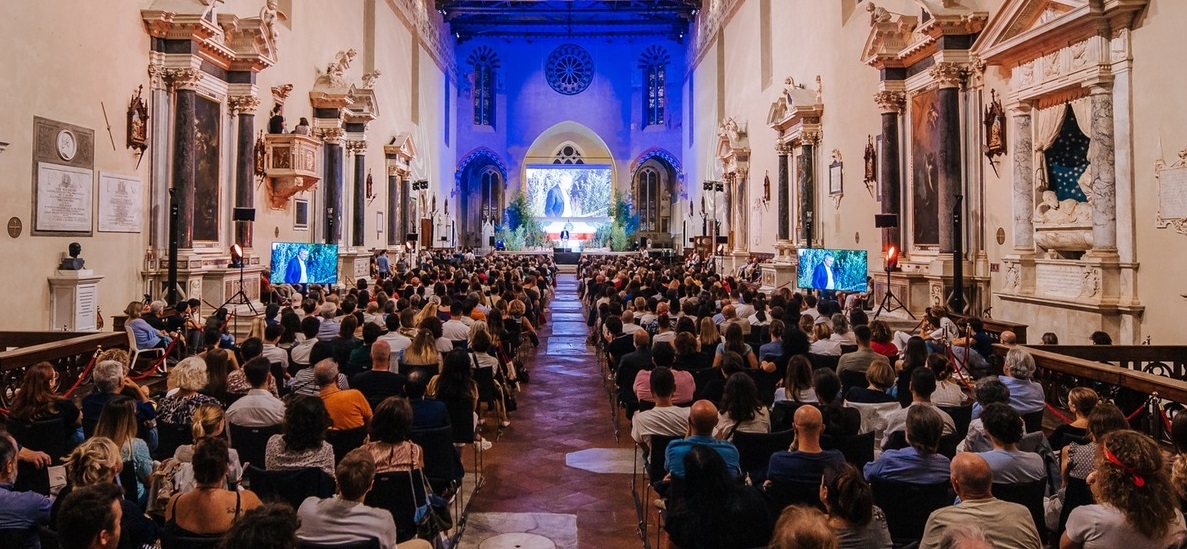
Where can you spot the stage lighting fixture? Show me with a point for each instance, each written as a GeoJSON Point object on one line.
{"type": "Point", "coordinates": [892, 259]}
{"type": "Point", "coordinates": [236, 257]}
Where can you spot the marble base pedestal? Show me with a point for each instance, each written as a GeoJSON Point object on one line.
{"type": "Point", "coordinates": [74, 300]}
{"type": "Point", "coordinates": [353, 264]}
{"type": "Point", "coordinates": [206, 276]}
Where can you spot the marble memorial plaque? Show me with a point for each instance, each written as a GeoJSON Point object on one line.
{"type": "Point", "coordinates": [1172, 195]}
{"type": "Point", "coordinates": [1058, 280]}
{"type": "Point", "coordinates": [120, 203]}
{"type": "Point", "coordinates": [64, 202]}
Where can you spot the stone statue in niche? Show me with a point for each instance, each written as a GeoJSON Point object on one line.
{"type": "Point", "coordinates": [137, 135]}
{"type": "Point", "coordinates": [995, 127]}
{"type": "Point", "coordinates": [1068, 211]}
{"type": "Point", "coordinates": [73, 262]}
{"type": "Point", "coordinates": [269, 15]}
{"type": "Point", "coordinates": [337, 69]}
{"type": "Point", "coordinates": [871, 161]}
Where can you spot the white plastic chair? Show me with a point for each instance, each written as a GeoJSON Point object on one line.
{"type": "Point", "coordinates": [137, 352]}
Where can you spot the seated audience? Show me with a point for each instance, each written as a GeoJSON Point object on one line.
{"type": "Point", "coordinates": [208, 422]}
{"type": "Point", "coordinates": [823, 342]}
{"type": "Point", "coordinates": [734, 341]}
{"type": "Point", "coordinates": [702, 420]}
{"type": "Point", "coordinates": [379, 382]}
{"type": "Point", "coordinates": [269, 526]}
{"type": "Point", "coordinates": [948, 392]}
{"type": "Point", "coordinates": [97, 461]}
{"type": "Point", "coordinates": [90, 518]}
{"type": "Point", "coordinates": [839, 421]}
{"type": "Point", "coordinates": [1009, 464]}
{"type": "Point", "coordinates": [1135, 505]}
{"type": "Point", "coordinates": [1004, 524]}
{"type": "Point", "coordinates": [802, 527]}
{"type": "Point", "coordinates": [665, 418]}
{"type": "Point", "coordinates": [37, 400]}
{"type": "Point", "coordinates": [1026, 394]}
{"type": "Point", "coordinates": [860, 360]}
{"type": "Point", "coordinates": [715, 511]}
{"type": "Point", "coordinates": [881, 378]}
{"type": "Point", "coordinates": [923, 383]}
{"type": "Point", "coordinates": [1078, 459]}
{"type": "Point", "coordinates": [741, 410]}
{"type": "Point", "coordinates": [259, 407]}
{"type": "Point", "coordinates": [390, 444]}
{"type": "Point", "coordinates": [348, 408]}
{"type": "Point", "coordinates": [988, 390]}
{"type": "Point", "coordinates": [914, 356]}
{"type": "Point", "coordinates": [427, 413]}
{"type": "Point", "coordinates": [109, 382]}
{"type": "Point", "coordinates": [918, 463]}
{"type": "Point", "coordinates": [18, 510]}
{"type": "Point", "coordinates": [797, 383]}
{"type": "Point", "coordinates": [299, 354]}
{"type": "Point", "coordinates": [210, 508]}
{"type": "Point", "coordinates": [188, 377]}
{"type": "Point", "coordinates": [849, 502]}
{"type": "Point", "coordinates": [1081, 401]}
{"type": "Point", "coordinates": [806, 462]}
{"type": "Point", "coordinates": [662, 355]}
{"type": "Point", "coordinates": [302, 443]}
{"type": "Point", "coordinates": [118, 423]}
{"type": "Point", "coordinates": [880, 340]}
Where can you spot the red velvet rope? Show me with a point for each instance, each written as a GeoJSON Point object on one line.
{"type": "Point", "coordinates": [1136, 413]}
{"type": "Point", "coordinates": [1055, 411]}
{"type": "Point", "coordinates": [1166, 420]}
{"type": "Point", "coordinates": [156, 364]}
{"type": "Point", "coordinates": [85, 372]}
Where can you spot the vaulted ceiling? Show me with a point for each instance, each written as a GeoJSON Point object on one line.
{"type": "Point", "coordinates": [568, 18]}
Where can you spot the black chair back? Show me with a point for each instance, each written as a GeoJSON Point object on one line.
{"type": "Point", "coordinates": [292, 486]}
{"type": "Point", "coordinates": [485, 379]}
{"type": "Point", "coordinates": [20, 538]}
{"type": "Point", "coordinates": [1076, 493]}
{"type": "Point", "coordinates": [345, 440]}
{"type": "Point", "coordinates": [961, 416]}
{"type": "Point", "coordinates": [47, 436]}
{"type": "Point", "coordinates": [702, 378]}
{"type": "Point", "coordinates": [823, 361]}
{"type": "Point", "coordinates": [780, 494]}
{"type": "Point", "coordinates": [846, 348]}
{"type": "Point", "coordinates": [895, 441]}
{"type": "Point", "coordinates": [443, 462]}
{"type": "Point", "coordinates": [851, 379]}
{"type": "Point", "coordinates": [765, 382]}
{"type": "Point", "coordinates": [657, 457]}
{"type": "Point", "coordinates": [948, 445]}
{"type": "Point", "coordinates": [169, 437]}
{"type": "Point", "coordinates": [755, 450]}
{"type": "Point", "coordinates": [461, 419]}
{"type": "Point", "coordinates": [250, 442]}
{"type": "Point", "coordinates": [129, 481]}
{"type": "Point", "coordinates": [905, 521]}
{"type": "Point", "coordinates": [369, 543]}
{"type": "Point", "coordinates": [171, 540]}
{"type": "Point", "coordinates": [1033, 421]}
{"type": "Point", "coordinates": [1028, 494]}
{"type": "Point", "coordinates": [400, 493]}
{"type": "Point", "coordinates": [858, 450]}
{"type": "Point", "coordinates": [782, 413]}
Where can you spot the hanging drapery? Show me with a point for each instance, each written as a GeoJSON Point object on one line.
{"type": "Point", "coordinates": [1082, 108]}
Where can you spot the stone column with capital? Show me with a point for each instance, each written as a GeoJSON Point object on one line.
{"type": "Point", "coordinates": [741, 219]}
{"type": "Point", "coordinates": [245, 108]}
{"type": "Point", "coordinates": [784, 200]}
{"type": "Point", "coordinates": [1104, 175]}
{"type": "Point", "coordinates": [950, 77]}
{"type": "Point", "coordinates": [1024, 186]}
{"type": "Point", "coordinates": [891, 104]}
{"type": "Point", "coordinates": [358, 149]}
{"type": "Point", "coordinates": [808, 187]}
{"type": "Point", "coordinates": [183, 82]}
{"type": "Point", "coordinates": [333, 186]}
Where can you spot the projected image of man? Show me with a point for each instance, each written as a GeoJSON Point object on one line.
{"type": "Point", "coordinates": [822, 277]}
{"type": "Point", "coordinates": [297, 271]}
{"type": "Point", "coordinates": [558, 203]}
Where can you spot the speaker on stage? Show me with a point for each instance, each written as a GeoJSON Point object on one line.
{"type": "Point", "coordinates": [885, 221]}
{"type": "Point", "coordinates": [243, 214]}
{"type": "Point", "coordinates": [491, 241]}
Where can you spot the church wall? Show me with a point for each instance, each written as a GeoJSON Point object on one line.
{"type": "Point", "coordinates": [701, 157]}
{"type": "Point", "coordinates": [68, 57]}
{"type": "Point", "coordinates": [611, 107]}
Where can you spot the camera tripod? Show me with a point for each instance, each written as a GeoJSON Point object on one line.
{"type": "Point", "coordinates": [890, 302]}
{"type": "Point", "coordinates": [240, 297]}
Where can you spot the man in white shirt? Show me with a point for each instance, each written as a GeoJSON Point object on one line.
{"type": "Point", "coordinates": [344, 518]}
{"type": "Point", "coordinates": [628, 323]}
{"type": "Point", "coordinates": [454, 329]}
{"type": "Point", "coordinates": [270, 351]}
{"type": "Point", "coordinates": [664, 419]}
{"type": "Point", "coordinates": [258, 408]}
{"type": "Point", "coordinates": [310, 326]}
{"type": "Point", "coordinates": [923, 384]}
{"type": "Point", "coordinates": [397, 341]}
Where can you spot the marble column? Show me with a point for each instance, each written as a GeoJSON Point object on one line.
{"type": "Point", "coordinates": [359, 211]}
{"type": "Point", "coordinates": [1024, 186]}
{"type": "Point", "coordinates": [741, 210]}
{"type": "Point", "coordinates": [245, 106]}
{"type": "Point", "coordinates": [889, 172]}
{"type": "Point", "coordinates": [184, 137]}
{"type": "Point", "coordinates": [1104, 175]}
{"type": "Point", "coordinates": [784, 199]}
{"type": "Point", "coordinates": [950, 78]}
{"type": "Point", "coordinates": [808, 187]}
{"type": "Point", "coordinates": [333, 183]}
{"type": "Point", "coordinates": [393, 220]}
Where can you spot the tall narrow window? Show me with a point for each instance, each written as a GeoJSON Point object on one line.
{"type": "Point", "coordinates": [647, 199]}
{"type": "Point", "coordinates": [492, 195]}
{"type": "Point", "coordinates": [653, 63]}
{"type": "Point", "coordinates": [484, 62]}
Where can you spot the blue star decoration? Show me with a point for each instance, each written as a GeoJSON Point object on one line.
{"type": "Point", "coordinates": [1067, 159]}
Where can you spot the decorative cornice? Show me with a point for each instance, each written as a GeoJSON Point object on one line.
{"type": "Point", "coordinates": [890, 101]}
{"type": "Point", "coordinates": [811, 137]}
{"type": "Point", "coordinates": [356, 146]}
{"type": "Point", "coordinates": [186, 78]}
{"type": "Point", "coordinates": [330, 135]}
{"type": "Point", "coordinates": [782, 148]}
{"type": "Point", "coordinates": [948, 75]}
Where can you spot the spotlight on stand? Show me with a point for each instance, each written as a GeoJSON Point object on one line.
{"type": "Point", "coordinates": [236, 257]}
{"type": "Point", "coordinates": [892, 259]}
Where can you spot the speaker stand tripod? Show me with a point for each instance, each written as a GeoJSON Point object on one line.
{"type": "Point", "coordinates": [240, 297]}
{"type": "Point", "coordinates": [890, 302]}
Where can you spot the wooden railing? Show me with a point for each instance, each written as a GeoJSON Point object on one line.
{"type": "Point", "coordinates": [1150, 370]}
{"type": "Point", "coordinates": [69, 352]}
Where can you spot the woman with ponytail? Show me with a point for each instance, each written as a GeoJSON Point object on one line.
{"type": "Point", "coordinates": [208, 422]}
{"type": "Point", "coordinates": [851, 511]}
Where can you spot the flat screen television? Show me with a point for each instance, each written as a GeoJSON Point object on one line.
{"type": "Point", "coordinates": [849, 269]}
{"type": "Point", "coordinates": [304, 263]}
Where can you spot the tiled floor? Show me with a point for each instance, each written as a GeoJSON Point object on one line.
{"type": "Point", "coordinates": [563, 410]}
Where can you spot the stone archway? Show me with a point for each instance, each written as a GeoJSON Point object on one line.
{"type": "Point", "coordinates": [481, 180]}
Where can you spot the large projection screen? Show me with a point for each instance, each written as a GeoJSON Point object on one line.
{"type": "Point", "coordinates": [569, 192]}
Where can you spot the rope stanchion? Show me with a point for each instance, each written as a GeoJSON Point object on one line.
{"type": "Point", "coordinates": [85, 372]}
{"type": "Point", "coordinates": [1055, 412]}
{"type": "Point", "coordinates": [1166, 420]}
{"type": "Point", "coordinates": [1137, 412]}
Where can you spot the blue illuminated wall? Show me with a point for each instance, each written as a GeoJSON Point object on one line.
{"type": "Point", "coordinates": [612, 107]}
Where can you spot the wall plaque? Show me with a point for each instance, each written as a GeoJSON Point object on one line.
{"type": "Point", "coordinates": [1064, 281]}
{"type": "Point", "coordinates": [64, 199]}
{"type": "Point", "coordinates": [121, 203]}
{"type": "Point", "coordinates": [14, 227]}
{"type": "Point", "coordinates": [1172, 193]}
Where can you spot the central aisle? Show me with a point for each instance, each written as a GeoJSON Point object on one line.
{"type": "Point", "coordinates": [563, 413]}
